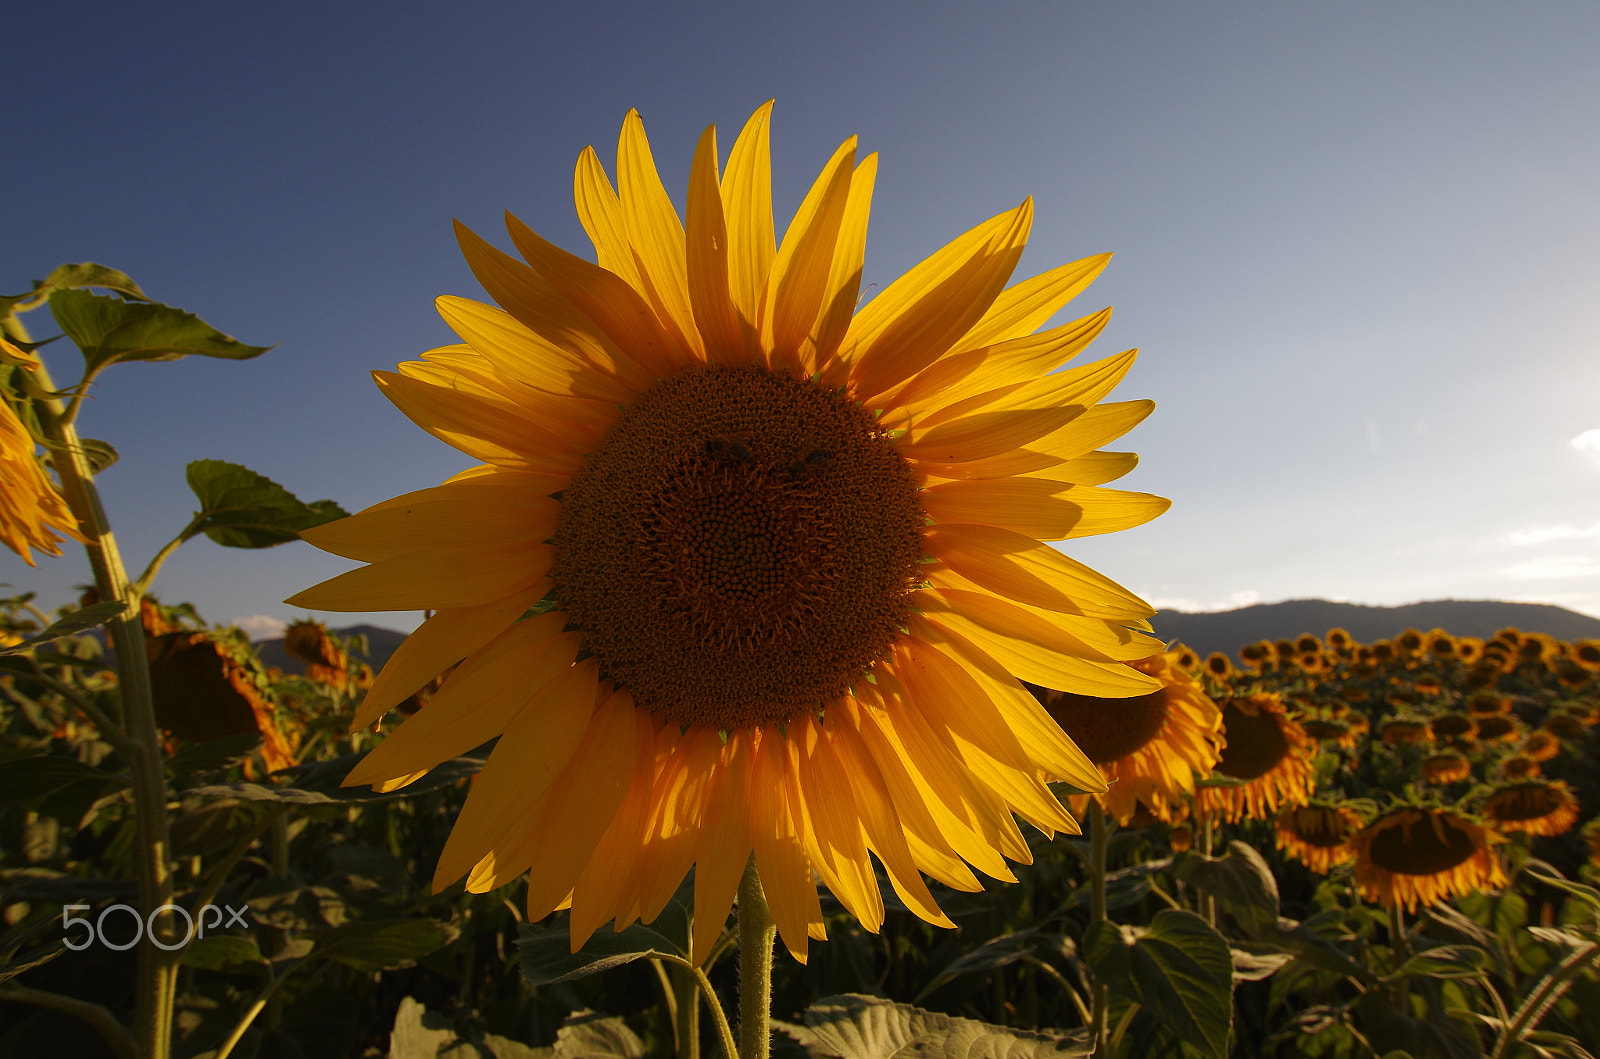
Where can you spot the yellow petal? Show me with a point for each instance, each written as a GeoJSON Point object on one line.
{"type": "Point", "coordinates": [1083, 386]}
{"type": "Point", "coordinates": [728, 340]}
{"type": "Point", "coordinates": [1096, 427]}
{"type": "Point", "coordinates": [833, 837]}
{"type": "Point", "coordinates": [438, 643]}
{"type": "Point", "coordinates": [599, 891]}
{"type": "Point", "coordinates": [507, 795]}
{"type": "Point", "coordinates": [747, 207]}
{"type": "Point", "coordinates": [483, 430]}
{"type": "Point", "coordinates": [600, 213]}
{"type": "Point", "coordinates": [604, 297]}
{"type": "Point", "coordinates": [798, 283]}
{"type": "Point", "coordinates": [974, 371]}
{"type": "Point", "coordinates": [982, 435]}
{"type": "Point", "coordinates": [914, 322]}
{"type": "Point", "coordinates": [673, 834]}
{"type": "Point", "coordinates": [656, 234]}
{"type": "Point", "coordinates": [844, 279]}
{"type": "Point", "coordinates": [515, 349]}
{"type": "Point", "coordinates": [725, 846]}
{"type": "Point", "coordinates": [1036, 507]}
{"type": "Point", "coordinates": [780, 857]}
{"type": "Point", "coordinates": [441, 577]}
{"type": "Point", "coordinates": [1045, 666]}
{"type": "Point", "coordinates": [478, 701]}
{"type": "Point", "coordinates": [1019, 567]}
{"type": "Point", "coordinates": [582, 805]}
{"type": "Point", "coordinates": [480, 512]}
{"type": "Point", "coordinates": [467, 371]}
{"type": "Point", "coordinates": [1068, 634]}
{"type": "Point", "coordinates": [1023, 308]}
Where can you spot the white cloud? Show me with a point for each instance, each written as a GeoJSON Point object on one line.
{"type": "Point", "coordinates": [260, 626]}
{"type": "Point", "coordinates": [1187, 605]}
{"type": "Point", "coordinates": [1553, 567]}
{"type": "Point", "coordinates": [1588, 443]}
{"type": "Point", "coordinates": [1563, 532]}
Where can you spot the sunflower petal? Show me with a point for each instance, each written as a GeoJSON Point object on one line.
{"type": "Point", "coordinates": [834, 838]}
{"type": "Point", "coordinates": [483, 430]}
{"type": "Point", "coordinates": [656, 234]}
{"type": "Point", "coordinates": [1080, 436]}
{"type": "Point", "coordinates": [844, 278]}
{"type": "Point", "coordinates": [725, 848]}
{"type": "Point", "coordinates": [728, 339]}
{"type": "Point", "coordinates": [599, 892]}
{"type": "Point", "coordinates": [1019, 567]}
{"type": "Point", "coordinates": [1046, 666]}
{"type": "Point", "coordinates": [1022, 308]}
{"type": "Point", "coordinates": [747, 206]}
{"type": "Point", "coordinates": [600, 213]}
{"type": "Point", "coordinates": [1082, 386]}
{"type": "Point", "coordinates": [797, 286]}
{"type": "Point", "coordinates": [780, 856]}
{"type": "Point", "coordinates": [478, 513]}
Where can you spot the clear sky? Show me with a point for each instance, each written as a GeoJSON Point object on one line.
{"type": "Point", "coordinates": [1358, 244]}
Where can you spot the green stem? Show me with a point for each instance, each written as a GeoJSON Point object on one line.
{"type": "Point", "coordinates": [1545, 996]}
{"type": "Point", "coordinates": [686, 988]}
{"type": "Point", "coordinates": [756, 933]}
{"type": "Point", "coordinates": [111, 1031]}
{"type": "Point", "coordinates": [158, 968]}
{"type": "Point", "coordinates": [1099, 844]}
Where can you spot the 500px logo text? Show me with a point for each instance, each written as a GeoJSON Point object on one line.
{"type": "Point", "coordinates": [196, 927]}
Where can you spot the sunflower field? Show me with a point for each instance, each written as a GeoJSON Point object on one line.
{"type": "Point", "coordinates": [757, 706]}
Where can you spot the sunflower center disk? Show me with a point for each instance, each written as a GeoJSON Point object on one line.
{"type": "Point", "coordinates": [1108, 729]}
{"type": "Point", "coordinates": [1256, 743]}
{"type": "Point", "coordinates": [739, 547]}
{"type": "Point", "coordinates": [1421, 848]}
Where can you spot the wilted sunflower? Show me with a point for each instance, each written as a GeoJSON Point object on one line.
{"type": "Point", "coordinates": [1267, 749]}
{"type": "Point", "coordinates": [1413, 855]}
{"type": "Point", "coordinates": [32, 513]}
{"type": "Point", "coordinates": [784, 556]}
{"type": "Point", "coordinates": [1150, 747]}
{"type": "Point", "coordinates": [1318, 834]}
{"type": "Point", "coordinates": [1539, 807]}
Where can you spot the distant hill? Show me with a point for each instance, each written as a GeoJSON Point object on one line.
{"type": "Point", "coordinates": [1229, 630]}
{"type": "Point", "coordinates": [381, 643]}
{"type": "Point", "coordinates": [1226, 630]}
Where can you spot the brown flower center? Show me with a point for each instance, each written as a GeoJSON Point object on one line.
{"type": "Point", "coordinates": [1108, 729]}
{"type": "Point", "coordinates": [1256, 741]}
{"type": "Point", "coordinates": [1317, 825]}
{"type": "Point", "coordinates": [739, 547]}
{"type": "Point", "coordinates": [1424, 844]}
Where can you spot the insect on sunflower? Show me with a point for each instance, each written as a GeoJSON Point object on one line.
{"type": "Point", "coordinates": [746, 570]}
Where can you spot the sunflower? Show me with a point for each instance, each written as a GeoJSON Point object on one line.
{"type": "Point", "coordinates": [1454, 726]}
{"type": "Point", "coordinates": [1447, 766]}
{"type": "Point", "coordinates": [1150, 747]}
{"type": "Point", "coordinates": [1541, 745]}
{"type": "Point", "coordinates": [325, 659]}
{"type": "Point", "coordinates": [1587, 654]}
{"type": "Point", "coordinates": [1342, 733]}
{"type": "Point", "coordinates": [1488, 704]}
{"type": "Point", "coordinates": [1318, 834]}
{"type": "Point", "coordinates": [746, 571]}
{"type": "Point", "coordinates": [1340, 641]}
{"type": "Point", "coordinates": [1536, 806]}
{"type": "Point", "coordinates": [1404, 730]}
{"type": "Point", "coordinates": [1412, 855]}
{"type": "Point", "coordinates": [1518, 767]}
{"type": "Point", "coordinates": [1220, 668]}
{"type": "Point", "coordinates": [1266, 749]}
{"type": "Point", "coordinates": [1498, 728]}
{"type": "Point", "coordinates": [32, 513]}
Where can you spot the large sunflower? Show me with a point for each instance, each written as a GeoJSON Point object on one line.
{"type": "Point", "coordinates": [1268, 753]}
{"type": "Point", "coordinates": [1413, 855]}
{"type": "Point", "coordinates": [746, 570]}
{"type": "Point", "coordinates": [1149, 747]}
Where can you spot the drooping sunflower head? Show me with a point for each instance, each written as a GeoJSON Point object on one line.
{"type": "Point", "coordinates": [1318, 834]}
{"type": "Point", "coordinates": [1415, 855]}
{"type": "Point", "coordinates": [1268, 752]}
{"type": "Point", "coordinates": [1405, 731]}
{"type": "Point", "coordinates": [746, 570]}
{"type": "Point", "coordinates": [1447, 766]}
{"type": "Point", "coordinates": [1150, 748]}
{"type": "Point", "coordinates": [1536, 806]}
{"type": "Point", "coordinates": [32, 513]}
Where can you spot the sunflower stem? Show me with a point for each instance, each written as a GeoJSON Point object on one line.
{"type": "Point", "coordinates": [1099, 845]}
{"type": "Point", "coordinates": [756, 934]}
{"type": "Point", "coordinates": [686, 1012]}
{"type": "Point", "coordinates": [158, 968]}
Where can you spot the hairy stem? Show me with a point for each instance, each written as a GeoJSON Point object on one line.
{"type": "Point", "coordinates": [756, 933]}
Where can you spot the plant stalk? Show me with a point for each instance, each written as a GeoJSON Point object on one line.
{"type": "Point", "coordinates": [1099, 845]}
{"type": "Point", "coordinates": [756, 934]}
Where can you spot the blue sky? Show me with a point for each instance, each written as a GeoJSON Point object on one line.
{"type": "Point", "coordinates": [1358, 244]}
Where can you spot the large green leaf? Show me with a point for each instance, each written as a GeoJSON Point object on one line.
{"type": "Point", "coordinates": [1179, 970]}
{"type": "Point", "coordinates": [992, 955]}
{"type": "Point", "coordinates": [109, 330]}
{"type": "Point", "coordinates": [547, 956]}
{"type": "Point", "coordinates": [591, 1036]}
{"type": "Point", "coordinates": [79, 620]}
{"type": "Point", "coordinates": [66, 277]}
{"type": "Point", "coordinates": [370, 946]}
{"type": "Point", "coordinates": [1444, 961]}
{"type": "Point", "coordinates": [1241, 882]}
{"type": "Point", "coordinates": [852, 1026]}
{"type": "Point", "coordinates": [242, 509]}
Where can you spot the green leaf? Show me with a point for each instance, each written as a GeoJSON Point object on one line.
{"type": "Point", "coordinates": [1179, 970]}
{"type": "Point", "coordinates": [418, 1033]}
{"type": "Point", "coordinates": [318, 784]}
{"type": "Point", "coordinates": [1445, 961]}
{"type": "Point", "coordinates": [220, 753]}
{"type": "Point", "coordinates": [852, 1026]}
{"type": "Point", "coordinates": [992, 955]}
{"type": "Point", "coordinates": [242, 509]}
{"type": "Point", "coordinates": [591, 1036]}
{"type": "Point", "coordinates": [547, 956]}
{"type": "Point", "coordinates": [65, 277]}
{"type": "Point", "coordinates": [109, 330]}
{"type": "Point", "coordinates": [29, 780]}
{"type": "Point", "coordinates": [1254, 966]}
{"type": "Point", "coordinates": [1587, 894]}
{"type": "Point", "coordinates": [100, 454]}
{"type": "Point", "coordinates": [1241, 882]}
{"type": "Point", "coordinates": [76, 622]}
{"type": "Point", "coordinates": [382, 945]}
{"type": "Point", "coordinates": [221, 951]}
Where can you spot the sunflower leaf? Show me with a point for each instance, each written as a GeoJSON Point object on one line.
{"type": "Point", "coordinates": [592, 1036]}
{"type": "Point", "coordinates": [79, 620]}
{"type": "Point", "coordinates": [1445, 961]}
{"type": "Point", "coordinates": [1241, 882]}
{"type": "Point", "coordinates": [242, 509]}
{"type": "Point", "coordinates": [109, 330]}
{"type": "Point", "coordinates": [1179, 970]}
{"type": "Point", "coordinates": [371, 946]}
{"type": "Point", "coordinates": [852, 1026]}
{"type": "Point", "coordinates": [547, 956]}
{"type": "Point", "coordinates": [992, 955]}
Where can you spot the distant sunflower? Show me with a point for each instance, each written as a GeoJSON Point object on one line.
{"type": "Point", "coordinates": [1409, 643]}
{"type": "Point", "coordinates": [1469, 648]}
{"type": "Point", "coordinates": [1498, 728]}
{"type": "Point", "coordinates": [1220, 667]}
{"type": "Point", "coordinates": [1447, 766]}
{"type": "Point", "coordinates": [1587, 654]}
{"type": "Point", "coordinates": [32, 513]}
{"type": "Point", "coordinates": [1269, 751]}
{"type": "Point", "coordinates": [1327, 729]}
{"type": "Point", "coordinates": [1318, 834]}
{"type": "Point", "coordinates": [1150, 747]}
{"type": "Point", "coordinates": [1340, 640]}
{"type": "Point", "coordinates": [746, 570]}
{"type": "Point", "coordinates": [1405, 731]}
{"type": "Point", "coordinates": [1536, 806]}
{"type": "Point", "coordinates": [1488, 704]}
{"type": "Point", "coordinates": [1541, 745]}
{"type": "Point", "coordinates": [1518, 767]}
{"type": "Point", "coordinates": [1412, 855]}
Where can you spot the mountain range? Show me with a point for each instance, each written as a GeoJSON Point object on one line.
{"type": "Point", "coordinates": [1229, 630]}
